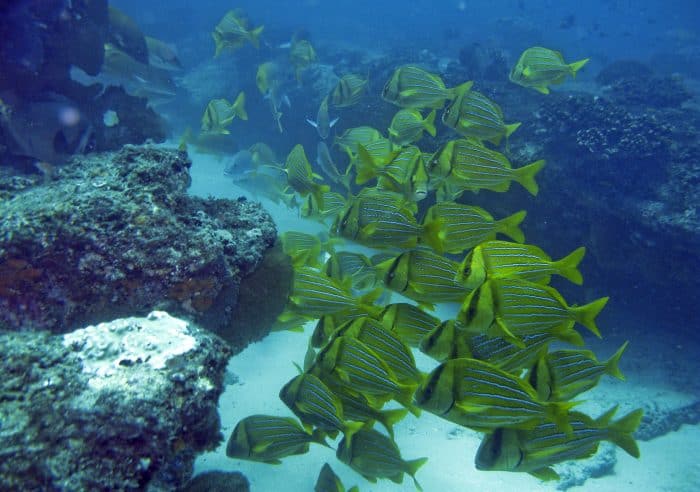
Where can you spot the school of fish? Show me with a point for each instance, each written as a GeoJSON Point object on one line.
{"type": "Point", "coordinates": [494, 370]}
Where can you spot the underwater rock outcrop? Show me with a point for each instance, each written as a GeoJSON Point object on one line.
{"type": "Point", "coordinates": [124, 405]}
{"type": "Point", "coordinates": [113, 235]}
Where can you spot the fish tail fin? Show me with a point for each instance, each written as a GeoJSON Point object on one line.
{"type": "Point", "coordinates": [511, 128]}
{"type": "Point", "coordinates": [317, 193]}
{"type": "Point", "coordinates": [405, 398]}
{"type": "Point", "coordinates": [238, 106]}
{"type": "Point", "coordinates": [389, 418]}
{"type": "Point", "coordinates": [352, 427]}
{"type": "Point", "coordinates": [569, 335]}
{"type": "Point", "coordinates": [429, 123]}
{"type": "Point", "coordinates": [621, 432]}
{"type": "Point", "coordinates": [542, 89]}
{"type": "Point", "coordinates": [526, 176]}
{"type": "Point", "coordinates": [319, 436]}
{"type": "Point", "coordinates": [576, 66]}
{"type": "Point", "coordinates": [611, 365]}
{"type": "Point", "coordinates": [461, 89]}
{"type": "Point", "coordinates": [366, 167]}
{"type": "Point", "coordinates": [254, 36]}
{"type": "Point", "coordinates": [586, 314]}
{"type": "Point", "coordinates": [510, 226]}
{"type": "Point", "coordinates": [218, 43]}
{"type": "Point", "coordinates": [558, 412]}
{"type": "Point", "coordinates": [434, 235]}
{"type": "Point", "coordinates": [568, 266]}
{"type": "Point", "coordinates": [412, 467]}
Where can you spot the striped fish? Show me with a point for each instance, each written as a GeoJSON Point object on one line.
{"type": "Point", "coordinates": [409, 322]}
{"type": "Point", "coordinates": [333, 204]}
{"type": "Point", "coordinates": [300, 176]}
{"type": "Point", "coordinates": [463, 226]}
{"type": "Point", "coordinates": [424, 276]}
{"type": "Point", "coordinates": [481, 396]}
{"type": "Point", "coordinates": [348, 91]}
{"type": "Point", "coordinates": [563, 374]}
{"type": "Point", "coordinates": [315, 404]}
{"type": "Point", "coordinates": [363, 135]}
{"type": "Point", "coordinates": [493, 259]}
{"type": "Point", "coordinates": [314, 294]}
{"type": "Point", "coordinates": [378, 220]}
{"type": "Point", "coordinates": [475, 167]}
{"type": "Point", "coordinates": [357, 408]}
{"type": "Point", "coordinates": [304, 249]}
{"type": "Point", "coordinates": [471, 114]}
{"type": "Point", "coordinates": [534, 451]}
{"type": "Point", "coordinates": [539, 67]}
{"type": "Point", "coordinates": [348, 266]}
{"type": "Point", "coordinates": [386, 345]}
{"type": "Point", "coordinates": [413, 87]}
{"type": "Point", "coordinates": [328, 481]}
{"type": "Point", "coordinates": [351, 364]}
{"type": "Point", "coordinates": [511, 308]}
{"type": "Point", "coordinates": [267, 438]}
{"type": "Point", "coordinates": [451, 340]}
{"type": "Point", "coordinates": [374, 455]}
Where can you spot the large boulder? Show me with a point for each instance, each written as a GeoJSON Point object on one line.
{"type": "Point", "coordinates": [124, 405]}
{"type": "Point", "coordinates": [113, 235]}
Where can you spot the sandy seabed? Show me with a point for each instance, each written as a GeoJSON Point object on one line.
{"type": "Point", "coordinates": [669, 463]}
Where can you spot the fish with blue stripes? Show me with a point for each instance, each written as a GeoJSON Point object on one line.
{"type": "Point", "coordinates": [462, 227]}
{"type": "Point", "coordinates": [301, 177]}
{"type": "Point", "coordinates": [268, 439]}
{"type": "Point", "coordinates": [413, 87]}
{"type": "Point", "coordinates": [512, 307]}
{"type": "Point", "coordinates": [492, 259]}
{"type": "Point", "coordinates": [353, 365]}
{"type": "Point", "coordinates": [481, 396]}
{"type": "Point", "coordinates": [564, 374]}
{"type": "Point", "coordinates": [328, 481]}
{"type": "Point", "coordinates": [316, 405]}
{"type": "Point", "coordinates": [409, 322]}
{"type": "Point", "coordinates": [424, 276]}
{"type": "Point", "coordinates": [538, 68]}
{"type": "Point", "coordinates": [374, 455]}
{"type": "Point", "coordinates": [394, 352]}
{"type": "Point", "coordinates": [534, 451]}
{"type": "Point", "coordinates": [471, 114]}
{"type": "Point", "coordinates": [466, 164]}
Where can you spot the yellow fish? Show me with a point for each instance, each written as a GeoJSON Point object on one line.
{"type": "Point", "coordinates": [232, 32]}
{"type": "Point", "coordinates": [301, 177]}
{"type": "Point", "coordinates": [348, 91]}
{"type": "Point", "coordinates": [407, 126]}
{"type": "Point", "coordinates": [539, 68]}
{"type": "Point", "coordinates": [220, 113]}
{"type": "Point", "coordinates": [413, 87]}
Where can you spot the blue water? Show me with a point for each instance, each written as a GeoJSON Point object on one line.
{"type": "Point", "coordinates": [647, 262]}
{"type": "Point", "coordinates": [627, 259]}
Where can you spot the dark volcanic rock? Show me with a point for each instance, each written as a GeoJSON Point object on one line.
{"type": "Point", "coordinates": [115, 235]}
{"type": "Point", "coordinates": [123, 405]}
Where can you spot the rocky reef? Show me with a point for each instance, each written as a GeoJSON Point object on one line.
{"type": "Point", "coordinates": [115, 234]}
{"type": "Point", "coordinates": [124, 405]}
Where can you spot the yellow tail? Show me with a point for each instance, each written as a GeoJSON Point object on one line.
{"type": "Point", "coordinates": [586, 315]}
{"type": "Point", "coordinates": [611, 365]}
{"type": "Point", "coordinates": [238, 106]}
{"type": "Point", "coordinates": [429, 124]}
{"type": "Point", "coordinates": [567, 267]}
{"type": "Point", "coordinates": [365, 166]}
{"type": "Point", "coordinates": [576, 66]}
{"type": "Point", "coordinates": [621, 432]}
{"type": "Point", "coordinates": [526, 176]}
{"type": "Point", "coordinates": [254, 36]}
{"type": "Point", "coordinates": [510, 226]}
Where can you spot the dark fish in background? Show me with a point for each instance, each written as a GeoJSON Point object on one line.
{"type": "Point", "coordinates": [136, 78]}
{"type": "Point", "coordinates": [162, 55]}
{"type": "Point", "coordinates": [126, 35]}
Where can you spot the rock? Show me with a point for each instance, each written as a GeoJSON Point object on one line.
{"type": "Point", "coordinates": [124, 405]}
{"type": "Point", "coordinates": [573, 473]}
{"type": "Point", "coordinates": [218, 481]}
{"type": "Point", "coordinates": [116, 235]}
{"type": "Point", "coordinates": [659, 420]}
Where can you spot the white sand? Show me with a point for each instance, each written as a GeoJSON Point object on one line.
{"type": "Point", "coordinates": [669, 463]}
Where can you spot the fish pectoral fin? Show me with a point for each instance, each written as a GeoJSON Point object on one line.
{"type": "Point", "coordinates": [542, 89]}
{"type": "Point", "coordinates": [408, 92]}
{"type": "Point", "coordinates": [342, 374]}
{"type": "Point", "coordinates": [545, 474]}
{"type": "Point", "coordinates": [471, 408]}
{"type": "Point", "coordinates": [260, 448]}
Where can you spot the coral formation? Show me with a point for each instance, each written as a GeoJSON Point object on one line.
{"type": "Point", "coordinates": [85, 411]}
{"type": "Point", "coordinates": [116, 234]}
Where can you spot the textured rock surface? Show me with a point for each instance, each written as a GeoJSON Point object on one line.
{"type": "Point", "coordinates": [85, 411]}
{"type": "Point", "coordinates": [116, 235]}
